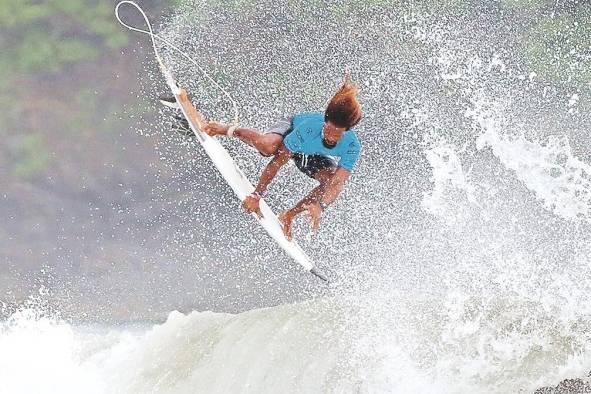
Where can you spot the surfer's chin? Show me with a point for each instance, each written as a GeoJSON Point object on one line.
{"type": "Point", "coordinates": [327, 144]}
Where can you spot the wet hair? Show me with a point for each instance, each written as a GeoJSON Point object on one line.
{"type": "Point", "coordinates": [344, 110]}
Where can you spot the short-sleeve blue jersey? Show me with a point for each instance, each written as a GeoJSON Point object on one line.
{"type": "Point", "coordinates": [306, 138]}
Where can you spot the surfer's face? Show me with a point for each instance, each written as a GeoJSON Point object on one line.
{"type": "Point", "coordinates": [331, 133]}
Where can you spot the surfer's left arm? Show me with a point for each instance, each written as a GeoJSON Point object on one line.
{"type": "Point", "coordinates": [251, 203]}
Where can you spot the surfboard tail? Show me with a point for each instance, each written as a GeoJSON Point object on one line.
{"type": "Point", "coordinates": [319, 274]}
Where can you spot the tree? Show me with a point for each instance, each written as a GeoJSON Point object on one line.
{"type": "Point", "coordinates": [42, 37]}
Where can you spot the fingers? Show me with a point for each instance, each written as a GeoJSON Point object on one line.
{"type": "Point", "coordinates": [315, 223]}
{"type": "Point", "coordinates": [287, 230]}
{"type": "Point", "coordinates": [258, 212]}
{"type": "Point", "coordinates": [281, 218]}
{"type": "Point", "coordinates": [247, 206]}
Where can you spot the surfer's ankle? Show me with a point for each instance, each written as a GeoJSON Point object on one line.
{"type": "Point", "coordinates": [231, 130]}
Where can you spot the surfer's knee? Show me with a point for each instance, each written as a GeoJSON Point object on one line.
{"type": "Point", "coordinates": [324, 176]}
{"type": "Point", "coordinates": [269, 145]}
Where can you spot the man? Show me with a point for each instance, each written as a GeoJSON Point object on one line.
{"type": "Point", "coordinates": [323, 146]}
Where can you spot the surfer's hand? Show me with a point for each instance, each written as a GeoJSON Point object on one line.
{"type": "Point", "coordinates": [286, 219]}
{"type": "Point", "coordinates": [314, 211]}
{"type": "Point", "coordinates": [216, 128]}
{"type": "Point", "coordinates": [251, 204]}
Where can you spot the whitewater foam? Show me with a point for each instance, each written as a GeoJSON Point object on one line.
{"type": "Point", "coordinates": [469, 344]}
{"type": "Point", "coordinates": [558, 179]}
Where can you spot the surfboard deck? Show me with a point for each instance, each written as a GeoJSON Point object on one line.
{"type": "Point", "coordinates": [242, 187]}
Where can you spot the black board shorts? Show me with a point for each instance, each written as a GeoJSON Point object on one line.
{"type": "Point", "coordinates": [308, 164]}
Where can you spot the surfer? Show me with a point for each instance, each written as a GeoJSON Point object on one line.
{"type": "Point", "coordinates": [323, 146]}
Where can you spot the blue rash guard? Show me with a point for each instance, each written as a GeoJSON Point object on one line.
{"type": "Point", "coordinates": [306, 139]}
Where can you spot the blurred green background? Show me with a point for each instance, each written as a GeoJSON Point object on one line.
{"type": "Point", "coordinates": [72, 167]}
{"type": "Point", "coordinates": [58, 59]}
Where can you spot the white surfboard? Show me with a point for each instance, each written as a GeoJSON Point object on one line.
{"type": "Point", "coordinates": [242, 188]}
{"type": "Point", "coordinates": [220, 156]}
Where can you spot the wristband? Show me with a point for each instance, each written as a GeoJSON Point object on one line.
{"type": "Point", "coordinates": [256, 195]}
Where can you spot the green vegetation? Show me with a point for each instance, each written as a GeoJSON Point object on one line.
{"type": "Point", "coordinates": [80, 122]}
{"type": "Point", "coordinates": [30, 157]}
{"type": "Point", "coordinates": [557, 45]}
{"type": "Point", "coordinates": [526, 5]}
{"type": "Point", "coordinates": [45, 36]}
{"type": "Point", "coordinates": [557, 49]}
{"type": "Point", "coordinates": [39, 38]}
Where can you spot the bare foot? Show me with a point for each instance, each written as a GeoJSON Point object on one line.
{"type": "Point", "coordinates": [285, 218]}
{"type": "Point", "coordinates": [215, 128]}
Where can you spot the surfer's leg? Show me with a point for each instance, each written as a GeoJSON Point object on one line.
{"type": "Point", "coordinates": [320, 168]}
{"type": "Point", "coordinates": [323, 176]}
{"type": "Point", "coordinates": [268, 142]}
{"type": "Point", "coordinates": [315, 166]}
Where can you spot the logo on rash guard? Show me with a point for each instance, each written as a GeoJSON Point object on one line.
{"type": "Point", "coordinates": [300, 137]}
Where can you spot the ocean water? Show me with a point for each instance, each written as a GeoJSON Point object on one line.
{"type": "Point", "coordinates": [459, 344]}
{"type": "Point", "coordinates": [459, 253]}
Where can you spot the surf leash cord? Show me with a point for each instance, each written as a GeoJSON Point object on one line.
{"type": "Point", "coordinates": [167, 74]}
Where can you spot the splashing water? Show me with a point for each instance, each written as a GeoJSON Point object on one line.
{"type": "Point", "coordinates": [558, 178]}
{"type": "Point", "coordinates": [460, 249]}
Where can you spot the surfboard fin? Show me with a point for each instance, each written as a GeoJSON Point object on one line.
{"type": "Point", "coordinates": [169, 101]}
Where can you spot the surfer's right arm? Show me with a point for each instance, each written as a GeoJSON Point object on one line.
{"type": "Point", "coordinates": [282, 156]}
